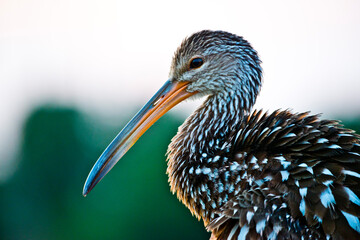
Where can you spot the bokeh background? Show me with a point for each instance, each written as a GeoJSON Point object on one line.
{"type": "Point", "coordinates": [73, 72]}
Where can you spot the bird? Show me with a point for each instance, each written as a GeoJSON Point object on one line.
{"type": "Point", "coordinates": [247, 173]}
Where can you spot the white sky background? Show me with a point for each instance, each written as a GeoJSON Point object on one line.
{"type": "Point", "coordinates": [104, 55]}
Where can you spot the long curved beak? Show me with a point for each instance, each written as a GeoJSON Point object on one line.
{"type": "Point", "coordinates": [169, 95]}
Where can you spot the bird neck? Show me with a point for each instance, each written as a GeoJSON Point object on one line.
{"type": "Point", "coordinates": [208, 128]}
{"type": "Point", "coordinates": [207, 133]}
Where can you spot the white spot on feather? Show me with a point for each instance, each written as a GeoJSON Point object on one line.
{"type": "Point", "coordinates": [234, 166]}
{"type": "Point", "coordinates": [274, 233]}
{"type": "Point", "coordinates": [355, 153]}
{"type": "Point", "coordinates": [322, 140]}
{"type": "Point", "coordinates": [334, 146]}
{"type": "Point", "coordinates": [328, 182]}
{"type": "Point", "coordinates": [345, 135]}
{"type": "Point", "coordinates": [193, 150]}
{"type": "Point", "coordinates": [260, 226]}
{"type": "Point", "coordinates": [284, 175]}
{"type": "Point", "coordinates": [253, 160]}
{"type": "Point", "coordinates": [303, 192]}
{"type": "Point", "coordinates": [283, 162]}
{"type": "Point", "coordinates": [268, 178]}
{"type": "Point", "coordinates": [259, 182]}
{"type": "Point", "coordinates": [226, 176]}
{"type": "Point", "coordinates": [353, 221]}
{"type": "Point", "coordinates": [274, 130]}
{"type": "Point", "coordinates": [202, 204]}
{"type": "Point", "coordinates": [249, 216]}
{"type": "Point", "coordinates": [211, 143]}
{"type": "Point", "coordinates": [289, 135]}
{"type": "Point", "coordinates": [231, 188]}
{"type": "Point", "coordinates": [263, 131]}
{"type": "Point", "coordinates": [318, 218]}
{"type": "Point", "coordinates": [274, 207]}
{"type": "Point", "coordinates": [327, 198]}
{"type": "Point", "coordinates": [326, 172]}
{"type": "Point", "coordinates": [233, 230]}
{"type": "Point", "coordinates": [244, 231]}
{"type": "Point", "coordinates": [302, 207]}
{"type": "Point", "coordinates": [206, 170]}
{"type": "Point", "coordinates": [221, 188]}
{"type": "Point", "coordinates": [352, 196]}
{"type": "Point", "coordinates": [246, 135]}
{"type": "Point", "coordinates": [216, 158]}
{"type": "Point", "coordinates": [351, 173]}
{"type": "Point", "coordinates": [238, 179]}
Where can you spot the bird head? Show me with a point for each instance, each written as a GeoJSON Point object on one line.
{"type": "Point", "coordinates": [217, 63]}
{"type": "Point", "coordinates": [214, 63]}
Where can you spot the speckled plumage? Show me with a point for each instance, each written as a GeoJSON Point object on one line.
{"type": "Point", "coordinates": [254, 175]}
{"type": "Point", "coordinates": [247, 174]}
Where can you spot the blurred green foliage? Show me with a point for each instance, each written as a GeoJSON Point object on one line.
{"type": "Point", "coordinates": [352, 123]}
{"type": "Point", "coordinates": [43, 198]}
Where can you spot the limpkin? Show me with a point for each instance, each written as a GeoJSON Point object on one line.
{"type": "Point", "coordinates": [247, 174]}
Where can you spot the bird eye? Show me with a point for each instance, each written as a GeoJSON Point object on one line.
{"type": "Point", "coordinates": [196, 63]}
